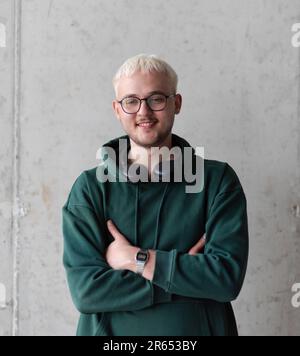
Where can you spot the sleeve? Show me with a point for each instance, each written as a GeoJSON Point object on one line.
{"type": "Point", "coordinates": [95, 287]}
{"type": "Point", "coordinates": [218, 274]}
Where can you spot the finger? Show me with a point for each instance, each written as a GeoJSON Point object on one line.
{"type": "Point", "coordinates": [198, 246]}
{"type": "Point", "coordinates": [114, 231]}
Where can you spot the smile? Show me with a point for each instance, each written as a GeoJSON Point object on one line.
{"type": "Point", "coordinates": [147, 124]}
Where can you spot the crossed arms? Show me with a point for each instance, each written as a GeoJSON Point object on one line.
{"type": "Point", "coordinates": [100, 273]}
{"type": "Point", "coordinates": [120, 254]}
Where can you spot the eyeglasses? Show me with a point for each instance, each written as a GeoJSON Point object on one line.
{"type": "Point", "coordinates": [155, 102]}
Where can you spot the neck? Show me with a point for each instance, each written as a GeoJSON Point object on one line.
{"type": "Point", "coordinates": [147, 156]}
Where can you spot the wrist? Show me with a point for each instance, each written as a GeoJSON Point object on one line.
{"type": "Point", "coordinates": [150, 266]}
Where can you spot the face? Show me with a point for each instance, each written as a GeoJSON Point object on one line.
{"type": "Point", "coordinates": [142, 85]}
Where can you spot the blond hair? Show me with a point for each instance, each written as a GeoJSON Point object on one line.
{"type": "Point", "coordinates": [145, 63]}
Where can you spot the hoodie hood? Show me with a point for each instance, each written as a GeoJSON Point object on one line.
{"type": "Point", "coordinates": [114, 158]}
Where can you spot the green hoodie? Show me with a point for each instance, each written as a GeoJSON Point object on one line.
{"type": "Point", "coordinates": [189, 295]}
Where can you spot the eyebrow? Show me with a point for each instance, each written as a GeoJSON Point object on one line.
{"type": "Point", "coordinates": [148, 94]}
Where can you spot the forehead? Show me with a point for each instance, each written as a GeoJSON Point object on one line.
{"type": "Point", "coordinates": [142, 84]}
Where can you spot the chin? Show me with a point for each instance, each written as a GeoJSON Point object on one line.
{"type": "Point", "coordinates": [147, 143]}
{"type": "Point", "coordinates": [154, 140]}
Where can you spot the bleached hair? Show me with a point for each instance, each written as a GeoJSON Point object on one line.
{"type": "Point", "coordinates": [145, 63]}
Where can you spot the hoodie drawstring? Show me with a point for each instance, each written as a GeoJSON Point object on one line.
{"type": "Point", "coordinates": [158, 218]}
{"type": "Point", "coordinates": [136, 214]}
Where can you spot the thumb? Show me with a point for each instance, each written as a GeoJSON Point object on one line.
{"type": "Point", "coordinates": [114, 231]}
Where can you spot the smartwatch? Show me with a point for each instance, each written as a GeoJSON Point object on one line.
{"type": "Point", "coordinates": [141, 259]}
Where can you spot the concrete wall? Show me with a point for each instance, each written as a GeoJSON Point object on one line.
{"type": "Point", "coordinates": [239, 77]}
{"type": "Point", "coordinates": [6, 167]}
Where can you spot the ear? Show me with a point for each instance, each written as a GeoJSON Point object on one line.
{"type": "Point", "coordinates": [178, 103]}
{"type": "Point", "coordinates": [116, 109]}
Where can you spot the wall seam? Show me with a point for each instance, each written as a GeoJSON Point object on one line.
{"type": "Point", "coordinates": [16, 162]}
{"type": "Point", "coordinates": [298, 117]}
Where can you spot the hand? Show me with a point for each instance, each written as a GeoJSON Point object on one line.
{"type": "Point", "coordinates": [198, 247]}
{"type": "Point", "coordinates": [119, 254]}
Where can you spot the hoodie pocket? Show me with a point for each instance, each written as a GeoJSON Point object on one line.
{"type": "Point", "coordinates": [166, 319]}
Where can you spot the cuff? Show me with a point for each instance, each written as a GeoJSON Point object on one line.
{"type": "Point", "coordinates": [160, 296]}
{"type": "Point", "coordinates": [164, 266]}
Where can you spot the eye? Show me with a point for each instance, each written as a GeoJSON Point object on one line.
{"type": "Point", "coordinates": [157, 99]}
{"type": "Point", "coordinates": [130, 101]}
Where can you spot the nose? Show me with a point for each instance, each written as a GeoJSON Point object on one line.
{"type": "Point", "coordinates": [144, 109]}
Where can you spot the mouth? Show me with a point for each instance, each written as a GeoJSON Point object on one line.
{"type": "Point", "coordinates": [147, 124]}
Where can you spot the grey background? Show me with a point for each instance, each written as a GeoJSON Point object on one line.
{"type": "Point", "coordinates": [239, 77]}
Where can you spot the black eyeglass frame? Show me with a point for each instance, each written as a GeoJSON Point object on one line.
{"type": "Point", "coordinates": [145, 99]}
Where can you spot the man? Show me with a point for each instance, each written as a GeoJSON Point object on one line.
{"type": "Point", "coordinates": [134, 250]}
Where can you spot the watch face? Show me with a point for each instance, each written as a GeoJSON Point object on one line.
{"type": "Point", "coordinates": [141, 256]}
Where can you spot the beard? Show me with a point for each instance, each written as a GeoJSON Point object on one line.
{"type": "Point", "coordinates": [150, 139]}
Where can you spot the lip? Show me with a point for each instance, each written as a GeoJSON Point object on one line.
{"type": "Point", "coordinates": [147, 124]}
